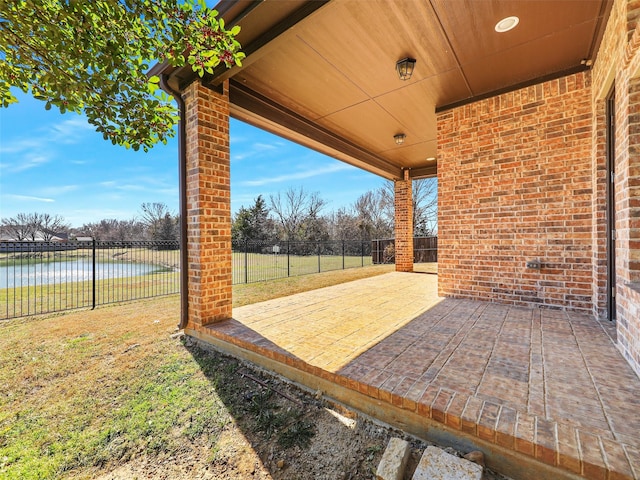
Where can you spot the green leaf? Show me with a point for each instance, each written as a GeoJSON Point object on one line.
{"type": "Point", "coordinates": [94, 56]}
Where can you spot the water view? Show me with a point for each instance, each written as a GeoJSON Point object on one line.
{"type": "Point", "coordinates": [27, 275]}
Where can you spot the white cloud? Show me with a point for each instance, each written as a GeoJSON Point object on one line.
{"type": "Point", "coordinates": [40, 146]}
{"type": "Point", "coordinates": [142, 184]}
{"type": "Point", "coordinates": [62, 189]}
{"type": "Point", "coordinates": [28, 198]}
{"type": "Point", "coordinates": [28, 161]}
{"type": "Point", "coordinates": [131, 188]}
{"type": "Point", "coordinates": [255, 150]}
{"type": "Point", "coordinates": [69, 131]}
{"type": "Point", "coordinates": [234, 138]}
{"type": "Point", "coordinates": [267, 146]}
{"type": "Point", "coordinates": [21, 145]}
{"type": "Point", "coordinates": [295, 176]}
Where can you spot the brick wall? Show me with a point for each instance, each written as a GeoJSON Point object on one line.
{"type": "Point", "coordinates": [403, 203]}
{"type": "Point", "coordinates": [515, 184]}
{"type": "Point", "coordinates": [618, 65]}
{"type": "Point", "coordinates": [208, 204]}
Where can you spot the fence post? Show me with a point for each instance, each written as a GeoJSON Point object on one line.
{"type": "Point", "coordinates": [343, 254]}
{"type": "Point", "coordinates": [288, 261]}
{"type": "Point", "coordinates": [318, 257]}
{"type": "Point", "coordinates": [362, 254]}
{"type": "Point", "coordinates": [93, 275]}
{"type": "Point", "coordinates": [246, 262]}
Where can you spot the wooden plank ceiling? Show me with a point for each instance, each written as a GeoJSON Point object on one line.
{"type": "Point", "coordinates": [323, 73]}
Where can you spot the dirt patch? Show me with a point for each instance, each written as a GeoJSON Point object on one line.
{"type": "Point", "coordinates": [341, 444]}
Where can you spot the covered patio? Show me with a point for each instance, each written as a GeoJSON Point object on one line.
{"type": "Point", "coordinates": [518, 383]}
{"type": "Point", "coordinates": [527, 113]}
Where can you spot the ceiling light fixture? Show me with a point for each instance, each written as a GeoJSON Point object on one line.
{"type": "Point", "coordinates": [405, 68]}
{"type": "Point", "coordinates": [507, 24]}
{"type": "Point", "coordinates": [399, 138]}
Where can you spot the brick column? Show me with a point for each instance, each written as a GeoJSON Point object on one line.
{"type": "Point", "coordinates": [208, 204]}
{"type": "Point", "coordinates": [404, 224]}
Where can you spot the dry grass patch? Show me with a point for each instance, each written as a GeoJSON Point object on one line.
{"type": "Point", "coordinates": [84, 391]}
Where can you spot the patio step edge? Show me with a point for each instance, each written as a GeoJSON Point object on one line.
{"type": "Point", "coordinates": [519, 447]}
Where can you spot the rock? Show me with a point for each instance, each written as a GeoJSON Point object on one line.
{"type": "Point", "coordinates": [451, 451]}
{"type": "Point", "coordinates": [437, 464]}
{"type": "Point", "coordinates": [177, 335]}
{"type": "Point", "coordinates": [318, 395]}
{"type": "Point", "coordinates": [280, 464]}
{"type": "Point", "coordinates": [394, 460]}
{"type": "Point", "coordinates": [476, 457]}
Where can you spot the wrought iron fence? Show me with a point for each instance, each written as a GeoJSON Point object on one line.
{"type": "Point", "coordinates": [255, 261]}
{"type": "Point", "coordinates": [44, 277]}
{"type": "Point", "coordinates": [425, 249]}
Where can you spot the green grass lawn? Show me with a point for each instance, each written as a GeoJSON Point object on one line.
{"type": "Point", "coordinates": [21, 301]}
{"type": "Point", "coordinates": [255, 267]}
{"type": "Point", "coordinates": [85, 391]}
{"type": "Point", "coordinates": [246, 268]}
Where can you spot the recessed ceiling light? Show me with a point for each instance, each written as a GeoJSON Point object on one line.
{"type": "Point", "coordinates": [507, 24]}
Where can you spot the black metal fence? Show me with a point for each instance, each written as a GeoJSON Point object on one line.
{"type": "Point", "coordinates": [44, 277]}
{"type": "Point", "coordinates": [255, 261]}
{"type": "Point", "coordinates": [425, 249]}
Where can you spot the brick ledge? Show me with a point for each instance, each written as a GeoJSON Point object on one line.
{"type": "Point", "coordinates": [567, 450]}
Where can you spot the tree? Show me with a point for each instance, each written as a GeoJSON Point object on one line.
{"type": "Point", "coordinates": [167, 232]}
{"type": "Point", "coordinates": [425, 207]}
{"type": "Point", "coordinates": [344, 225]}
{"type": "Point", "coordinates": [159, 223]}
{"type": "Point", "coordinates": [252, 223]}
{"type": "Point", "coordinates": [21, 227]}
{"type": "Point", "coordinates": [375, 213]}
{"type": "Point", "coordinates": [34, 226]}
{"type": "Point", "coordinates": [92, 56]}
{"type": "Point", "coordinates": [298, 214]}
{"type": "Point", "coordinates": [51, 226]}
{"type": "Point", "coordinates": [112, 230]}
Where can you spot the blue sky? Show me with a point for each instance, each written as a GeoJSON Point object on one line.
{"type": "Point", "coordinates": [58, 164]}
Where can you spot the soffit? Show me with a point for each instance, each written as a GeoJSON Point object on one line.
{"type": "Point", "coordinates": [334, 68]}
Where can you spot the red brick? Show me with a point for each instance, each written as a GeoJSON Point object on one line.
{"type": "Point", "coordinates": [208, 205]}
{"type": "Point", "coordinates": [404, 224]}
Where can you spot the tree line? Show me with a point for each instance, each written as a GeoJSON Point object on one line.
{"type": "Point", "coordinates": [297, 215]}
{"type": "Point", "coordinates": [155, 222]}
{"type": "Point", "coordinates": [294, 215]}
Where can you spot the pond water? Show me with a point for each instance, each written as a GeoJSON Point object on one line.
{"type": "Point", "coordinates": [70, 271]}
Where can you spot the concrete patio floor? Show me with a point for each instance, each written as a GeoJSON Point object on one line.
{"type": "Point", "coordinates": [544, 393]}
